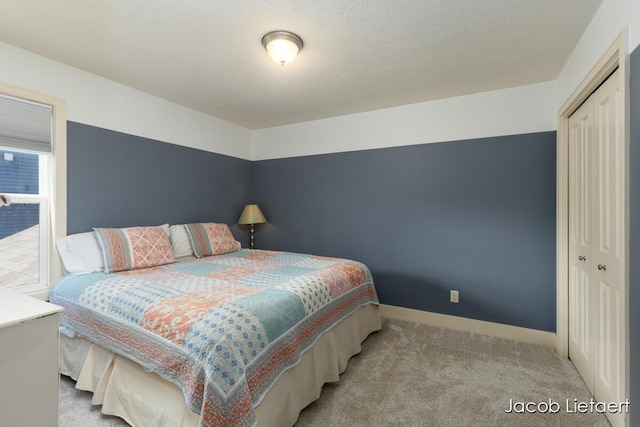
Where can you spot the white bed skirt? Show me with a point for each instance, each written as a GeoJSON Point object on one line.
{"type": "Point", "coordinates": [143, 398]}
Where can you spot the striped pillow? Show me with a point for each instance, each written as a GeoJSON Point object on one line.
{"type": "Point", "coordinates": [134, 247]}
{"type": "Point", "coordinates": [211, 239]}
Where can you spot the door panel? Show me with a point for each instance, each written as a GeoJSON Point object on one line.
{"type": "Point", "coordinates": [609, 247]}
{"type": "Point", "coordinates": [580, 241]}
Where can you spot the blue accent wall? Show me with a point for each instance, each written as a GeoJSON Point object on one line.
{"type": "Point", "coordinates": [120, 180]}
{"type": "Point", "coordinates": [634, 250]}
{"type": "Point", "coordinates": [477, 216]}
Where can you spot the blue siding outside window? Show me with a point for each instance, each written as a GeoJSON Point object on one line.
{"type": "Point", "coordinates": [17, 217]}
{"type": "Point", "coordinates": [19, 175]}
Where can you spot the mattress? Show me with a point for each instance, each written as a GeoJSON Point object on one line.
{"type": "Point", "coordinates": [223, 329]}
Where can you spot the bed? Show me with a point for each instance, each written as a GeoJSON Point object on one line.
{"type": "Point", "coordinates": [243, 337]}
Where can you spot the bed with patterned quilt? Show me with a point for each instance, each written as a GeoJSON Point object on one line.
{"type": "Point", "coordinates": [235, 332]}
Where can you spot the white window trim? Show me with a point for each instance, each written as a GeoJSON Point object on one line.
{"type": "Point", "coordinates": [57, 189]}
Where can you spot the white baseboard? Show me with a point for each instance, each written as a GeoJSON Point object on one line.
{"type": "Point", "coordinates": [498, 330]}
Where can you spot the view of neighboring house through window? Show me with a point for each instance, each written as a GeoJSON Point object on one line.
{"type": "Point", "coordinates": [25, 147]}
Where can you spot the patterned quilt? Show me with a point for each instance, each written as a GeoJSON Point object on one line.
{"type": "Point", "coordinates": [223, 328]}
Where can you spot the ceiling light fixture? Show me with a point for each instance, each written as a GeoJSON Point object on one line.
{"type": "Point", "coordinates": [282, 46]}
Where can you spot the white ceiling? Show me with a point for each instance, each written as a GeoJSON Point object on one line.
{"type": "Point", "coordinates": [358, 55]}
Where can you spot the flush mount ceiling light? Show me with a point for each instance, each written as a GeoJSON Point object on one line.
{"type": "Point", "coordinates": [282, 46]}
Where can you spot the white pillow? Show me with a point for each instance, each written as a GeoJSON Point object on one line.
{"type": "Point", "coordinates": [180, 241]}
{"type": "Point", "coordinates": [80, 253]}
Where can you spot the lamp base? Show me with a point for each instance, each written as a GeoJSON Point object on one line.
{"type": "Point", "coordinates": [251, 238]}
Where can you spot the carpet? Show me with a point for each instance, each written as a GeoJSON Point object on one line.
{"type": "Point", "coordinates": [416, 375]}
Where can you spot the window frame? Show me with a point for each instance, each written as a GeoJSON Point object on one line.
{"type": "Point", "coordinates": [55, 187]}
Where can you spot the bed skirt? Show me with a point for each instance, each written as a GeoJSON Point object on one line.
{"type": "Point", "coordinates": [143, 398]}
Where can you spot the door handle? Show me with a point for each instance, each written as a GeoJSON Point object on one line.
{"type": "Point", "coordinates": [581, 258]}
{"type": "Point", "coordinates": [602, 267]}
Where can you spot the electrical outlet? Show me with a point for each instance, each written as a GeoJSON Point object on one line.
{"type": "Point", "coordinates": [454, 296]}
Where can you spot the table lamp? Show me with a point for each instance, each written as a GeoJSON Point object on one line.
{"type": "Point", "coordinates": [251, 214]}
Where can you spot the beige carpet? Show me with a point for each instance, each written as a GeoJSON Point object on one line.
{"type": "Point", "coordinates": [416, 375]}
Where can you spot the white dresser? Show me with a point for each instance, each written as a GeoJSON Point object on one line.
{"type": "Point", "coordinates": [29, 354]}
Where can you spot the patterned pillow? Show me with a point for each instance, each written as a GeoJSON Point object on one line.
{"type": "Point", "coordinates": [134, 247]}
{"type": "Point", "coordinates": [211, 239]}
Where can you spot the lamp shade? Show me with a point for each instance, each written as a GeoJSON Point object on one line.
{"type": "Point", "coordinates": [282, 46]}
{"type": "Point", "coordinates": [251, 214]}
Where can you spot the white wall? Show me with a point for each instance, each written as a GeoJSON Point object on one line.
{"type": "Point", "coordinates": [96, 101]}
{"type": "Point", "coordinates": [611, 19]}
{"type": "Point", "coordinates": [510, 111]}
{"type": "Point", "coordinates": [523, 109]}
{"type": "Point", "coordinates": [100, 102]}
{"type": "Point", "coordinates": [634, 19]}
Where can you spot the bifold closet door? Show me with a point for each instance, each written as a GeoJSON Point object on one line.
{"type": "Point", "coordinates": [609, 241]}
{"type": "Point", "coordinates": [596, 243]}
{"type": "Point", "coordinates": [581, 241]}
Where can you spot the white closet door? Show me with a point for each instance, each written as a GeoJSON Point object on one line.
{"type": "Point", "coordinates": [581, 241]}
{"type": "Point", "coordinates": [596, 244]}
{"type": "Point", "coordinates": [609, 239]}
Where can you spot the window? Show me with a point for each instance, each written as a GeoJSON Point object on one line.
{"type": "Point", "coordinates": [23, 223]}
{"type": "Point", "coordinates": [32, 180]}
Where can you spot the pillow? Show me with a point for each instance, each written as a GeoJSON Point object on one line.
{"type": "Point", "coordinates": [211, 239]}
{"type": "Point", "coordinates": [134, 247]}
{"type": "Point", "coordinates": [80, 253]}
{"type": "Point", "coordinates": [180, 241]}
